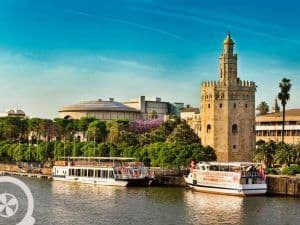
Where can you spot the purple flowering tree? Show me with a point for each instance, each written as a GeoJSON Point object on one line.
{"type": "Point", "coordinates": [143, 126]}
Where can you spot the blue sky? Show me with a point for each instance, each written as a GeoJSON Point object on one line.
{"type": "Point", "coordinates": [54, 53]}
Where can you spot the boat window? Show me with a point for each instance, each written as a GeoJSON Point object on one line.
{"type": "Point", "coordinates": [104, 173]}
{"type": "Point", "coordinates": [77, 173]}
{"type": "Point", "coordinates": [111, 174]}
{"type": "Point", "coordinates": [90, 173]}
{"type": "Point", "coordinates": [235, 169]}
{"type": "Point", "coordinates": [203, 168]}
{"type": "Point", "coordinates": [97, 173]}
{"type": "Point", "coordinates": [224, 168]}
{"type": "Point", "coordinates": [84, 173]}
{"type": "Point", "coordinates": [214, 168]}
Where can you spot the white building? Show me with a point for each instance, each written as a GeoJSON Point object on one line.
{"type": "Point", "coordinates": [154, 108]}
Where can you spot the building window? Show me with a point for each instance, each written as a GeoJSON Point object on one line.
{"type": "Point", "coordinates": [246, 105]}
{"type": "Point", "coordinates": [208, 106]}
{"type": "Point", "coordinates": [220, 105]}
{"type": "Point", "coordinates": [234, 105]}
{"type": "Point", "coordinates": [208, 128]}
{"type": "Point", "coordinates": [234, 146]}
{"type": "Point", "coordinates": [234, 129]}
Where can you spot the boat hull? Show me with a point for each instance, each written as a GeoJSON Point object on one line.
{"type": "Point", "coordinates": [240, 190]}
{"type": "Point", "coordinates": [236, 192]}
{"type": "Point", "coordinates": [104, 182]}
{"type": "Point", "coordinates": [140, 182]}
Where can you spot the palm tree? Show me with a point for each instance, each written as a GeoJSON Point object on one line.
{"type": "Point", "coordinates": [284, 96]}
{"type": "Point", "coordinates": [265, 152]}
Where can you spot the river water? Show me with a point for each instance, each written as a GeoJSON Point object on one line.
{"type": "Point", "coordinates": [71, 203]}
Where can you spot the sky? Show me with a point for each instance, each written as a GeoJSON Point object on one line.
{"type": "Point", "coordinates": [54, 53]}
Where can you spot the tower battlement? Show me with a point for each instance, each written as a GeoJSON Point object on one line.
{"type": "Point", "coordinates": [240, 83]}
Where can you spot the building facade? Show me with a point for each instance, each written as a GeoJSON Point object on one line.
{"type": "Point", "coordinates": [228, 110]}
{"type": "Point", "coordinates": [192, 117]}
{"type": "Point", "coordinates": [269, 126]}
{"type": "Point", "coordinates": [154, 108]}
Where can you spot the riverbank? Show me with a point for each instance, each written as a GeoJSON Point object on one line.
{"type": "Point", "coordinates": [277, 184]}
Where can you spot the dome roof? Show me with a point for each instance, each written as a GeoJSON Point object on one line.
{"type": "Point", "coordinates": [228, 40]}
{"type": "Point", "coordinates": [15, 112]}
{"type": "Point", "coordinates": [98, 105]}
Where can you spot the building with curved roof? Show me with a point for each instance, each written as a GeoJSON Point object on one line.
{"type": "Point", "coordinates": [14, 113]}
{"type": "Point", "coordinates": [100, 109]}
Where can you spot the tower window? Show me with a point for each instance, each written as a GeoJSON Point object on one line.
{"type": "Point", "coordinates": [220, 105]}
{"type": "Point", "coordinates": [208, 106]}
{"type": "Point", "coordinates": [246, 105]}
{"type": "Point", "coordinates": [208, 128]}
{"type": "Point", "coordinates": [234, 146]}
{"type": "Point", "coordinates": [234, 105]}
{"type": "Point", "coordinates": [234, 129]}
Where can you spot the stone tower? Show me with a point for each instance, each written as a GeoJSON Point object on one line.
{"type": "Point", "coordinates": [228, 110]}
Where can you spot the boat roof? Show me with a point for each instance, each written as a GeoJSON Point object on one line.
{"type": "Point", "coordinates": [240, 164]}
{"type": "Point", "coordinates": [98, 158]}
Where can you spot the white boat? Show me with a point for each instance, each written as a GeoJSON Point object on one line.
{"type": "Point", "coordinates": [113, 171]}
{"type": "Point", "coordinates": [235, 178]}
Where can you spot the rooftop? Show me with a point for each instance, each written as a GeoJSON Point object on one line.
{"type": "Point", "coordinates": [98, 105]}
{"type": "Point", "coordinates": [291, 114]}
{"type": "Point", "coordinates": [195, 110]}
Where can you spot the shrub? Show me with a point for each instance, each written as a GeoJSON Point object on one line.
{"type": "Point", "coordinates": [292, 170]}
{"type": "Point", "coordinates": [274, 171]}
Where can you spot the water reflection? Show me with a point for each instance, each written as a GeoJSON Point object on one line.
{"type": "Point", "coordinates": [201, 207]}
{"type": "Point", "coordinates": [74, 203]}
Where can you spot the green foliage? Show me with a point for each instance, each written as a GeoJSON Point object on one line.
{"type": "Point", "coordinates": [292, 170]}
{"type": "Point", "coordinates": [171, 144]}
{"type": "Point", "coordinates": [272, 153]}
{"type": "Point", "coordinates": [274, 171]}
{"type": "Point", "coordinates": [183, 134]}
{"type": "Point", "coordinates": [171, 155]}
{"type": "Point", "coordinates": [265, 152]}
{"type": "Point", "coordinates": [104, 149]}
{"type": "Point", "coordinates": [97, 131]}
{"type": "Point", "coordinates": [263, 108]}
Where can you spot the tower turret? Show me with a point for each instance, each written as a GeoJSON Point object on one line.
{"type": "Point", "coordinates": [228, 63]}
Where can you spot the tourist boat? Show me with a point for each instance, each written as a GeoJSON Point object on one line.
{"type": "Point", "coordinates": [233, 178]}
{"type": "Point", "coordinates": [114, 171]}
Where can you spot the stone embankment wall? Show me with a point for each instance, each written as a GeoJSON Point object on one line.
{"type": "Point", "coordinates": [17, 169]}
{"type": "Point", "coordinates": [284, 185]}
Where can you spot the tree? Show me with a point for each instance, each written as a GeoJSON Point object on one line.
{"type": "Point", "coordinates": [287, 154]}
{"type": "Point", "coordinates": [265, 152]}
{"type": "Point", "coordinates": [84, 123]}
{"type": "Point", "coordinates": [47, 129]}
{"type": "Point", "coordinates": [263, 108]}
{"type": "Point", "coordinates": [143, 126]}
{"type": "Point", "coordinates": [183, 134]}
{"type": "Point", "coordinates": [97, 131]}
{"type": "Point", "coordinates": [284, 96]}
{"type": "Point", "coordinates": [34, 125]}
{"type": "Point", "coordinates": [116, 128]}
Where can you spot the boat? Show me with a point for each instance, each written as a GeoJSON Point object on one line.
{"type": "Point", "coordinates": [232, 178]}
{"type": "Point", "coordinates": [112, 171]}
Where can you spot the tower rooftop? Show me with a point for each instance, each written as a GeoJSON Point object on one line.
{"type": "Point", "coordinates": [228, 40]}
